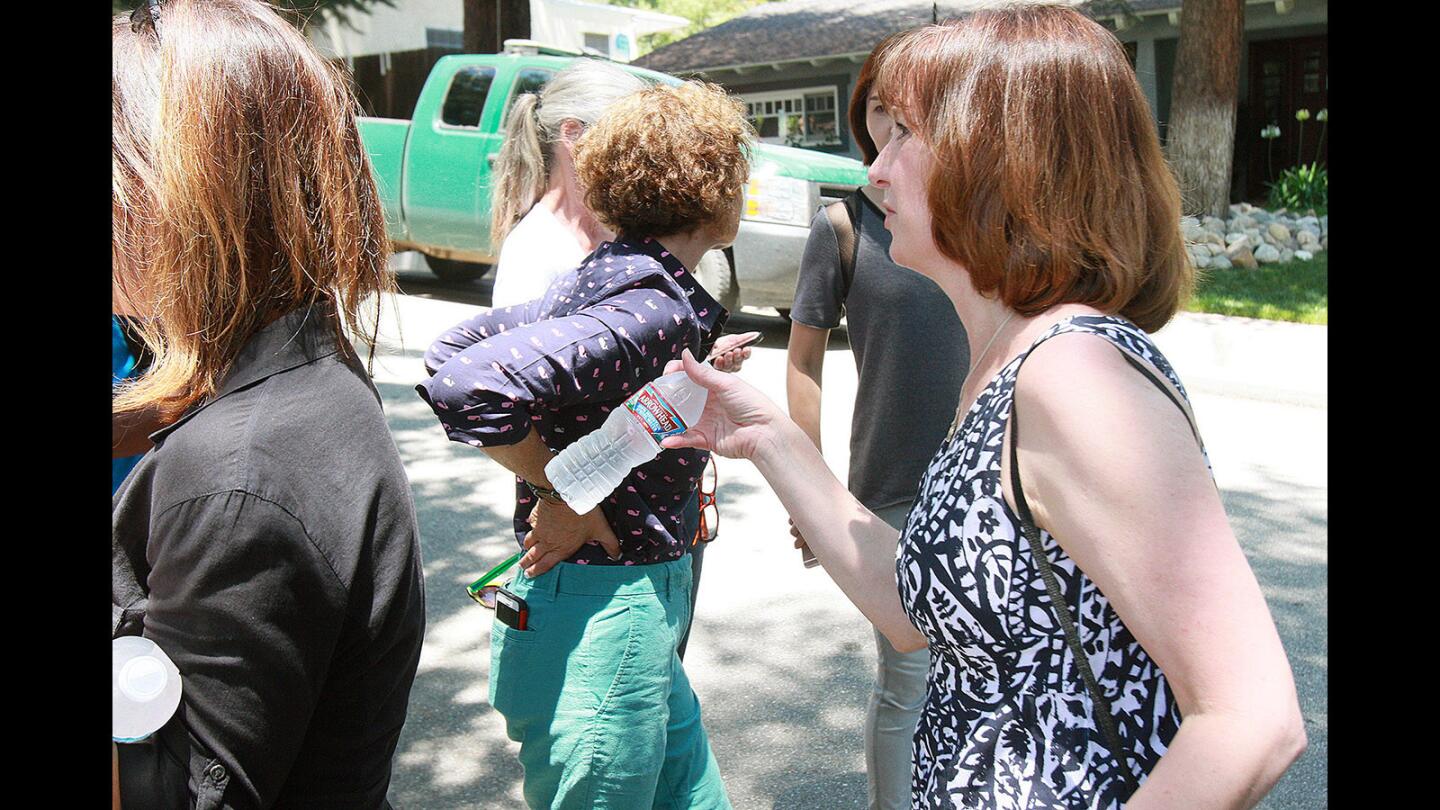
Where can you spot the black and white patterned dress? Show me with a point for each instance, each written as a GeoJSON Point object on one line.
{"type": "Point", "coordinates": [1008, 721]}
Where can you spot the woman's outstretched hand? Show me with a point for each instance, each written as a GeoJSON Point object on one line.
{"type": "Point", "coordinates": [738, 422]}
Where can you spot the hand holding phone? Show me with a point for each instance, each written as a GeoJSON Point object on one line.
{"type": "Point", "coordinates": [727, 354]}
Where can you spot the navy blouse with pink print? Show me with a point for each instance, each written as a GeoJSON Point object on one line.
{"type": "Point", "coordinates": [560, 363]}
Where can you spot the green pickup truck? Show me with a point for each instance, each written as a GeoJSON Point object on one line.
{"type": "Point", "coordinates": [434, 177]}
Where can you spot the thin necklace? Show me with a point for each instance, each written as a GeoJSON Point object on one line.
{"type": "Point", "coordinates": [955, 423]}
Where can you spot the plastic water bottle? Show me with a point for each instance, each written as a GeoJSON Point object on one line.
{"type": "Point", "coordinates": [586, 472]}
{"type": "Point", "coordinates": [145, 688]}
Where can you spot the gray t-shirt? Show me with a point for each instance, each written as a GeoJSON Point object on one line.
{"type": "Point", "coordinates": [910, 349]}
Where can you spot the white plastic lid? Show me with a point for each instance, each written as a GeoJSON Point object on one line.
{"type": "Point", "coordinates": [143, 679]}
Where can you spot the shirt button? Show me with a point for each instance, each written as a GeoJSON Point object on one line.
{"type": "Point", "coordinates": [216, 772]}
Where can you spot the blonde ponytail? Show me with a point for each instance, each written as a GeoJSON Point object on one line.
{"type": "Point", "coordinates": [581, 92]}
{"type": "Point", "coordinates": [522, 170]}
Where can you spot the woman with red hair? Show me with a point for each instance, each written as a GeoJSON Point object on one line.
{"type": "Point", "coordinates": [1097, 636]}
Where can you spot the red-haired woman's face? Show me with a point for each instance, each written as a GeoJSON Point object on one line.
{"type": "Point", "coordinates": [902, 169]}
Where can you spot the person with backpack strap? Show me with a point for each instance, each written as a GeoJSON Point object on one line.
{"type": "Point", "coordinates": [911, 354]}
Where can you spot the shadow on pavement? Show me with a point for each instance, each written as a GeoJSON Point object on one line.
{"type": "Point", "coordinates": [786, 729]}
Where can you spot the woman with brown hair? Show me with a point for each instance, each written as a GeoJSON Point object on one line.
{"type": "Point", "coordinates": [268, 542]}
{"type": "Point", "coordinates": [1097, 636]}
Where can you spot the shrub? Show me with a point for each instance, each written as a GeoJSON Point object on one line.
{"type": "Point", "coordinates": [1300, 188]}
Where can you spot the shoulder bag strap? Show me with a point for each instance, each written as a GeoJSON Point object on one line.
{"type": "Point", "coordinates": [1153, 376]}
{"type": "Point", "coordinates": [1102, 706]}
{"type": "Point", "coordinates": [1103, 715]}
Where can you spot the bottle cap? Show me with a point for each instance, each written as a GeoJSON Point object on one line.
{"type": "Point", "coordinates": [143, 679]}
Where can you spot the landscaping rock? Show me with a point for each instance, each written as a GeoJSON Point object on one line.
{"type": "Point", "coordinates": [1267, 254]}
{"type": "Point", "coordinates": [1240, 256]}
{"type": "Point", "coordinates": [1246, 232]}
{"type": "Point", "coordinates": [1200, 261]}
{"type": "Point", "coordinates": [1304, 255]}
{"type": "Point", "coordinates": [1219, 263]}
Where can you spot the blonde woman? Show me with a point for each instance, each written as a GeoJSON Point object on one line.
{"type": "Point", "coordinates": [538, 214]}
{"type": "Point", "coordinates": [268, 542]}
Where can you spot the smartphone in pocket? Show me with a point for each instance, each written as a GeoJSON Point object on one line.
{"type": "Point", "coordinates": [512, 610]}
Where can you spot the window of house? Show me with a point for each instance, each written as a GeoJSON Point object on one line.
{"type": "Point", "coordinates": [801, 117]}
{"type": "Point", "coordinates": [598, 42]}
{"type": "Point", "coordinates": [446, 38]}
{"type": "Point", "coordinates": [465, 99]}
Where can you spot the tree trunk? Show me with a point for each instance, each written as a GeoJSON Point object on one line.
{"type": "Point", "coordinates": [1201, 137]}
{"type": "Point", "coordinates": [488, 23]}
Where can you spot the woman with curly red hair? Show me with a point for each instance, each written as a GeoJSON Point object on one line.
{"type": "Point", "coordinates": [592, 687]}
{"type": "Point", "coordinates": [1097, 637]}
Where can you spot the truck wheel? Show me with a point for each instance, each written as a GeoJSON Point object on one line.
{"type": "Point", "coordinates": [716, 273]}
{"type": "Point", "coordinates": [455, 270]}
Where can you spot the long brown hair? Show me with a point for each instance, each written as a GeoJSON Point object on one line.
{"type": "Point", "coordinates": [239, 188]}
{"type": "Point", "coordinates": [1049, 184]}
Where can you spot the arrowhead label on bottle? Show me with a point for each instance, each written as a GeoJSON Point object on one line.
{"type": "Point", "coordinates": [656, 413]}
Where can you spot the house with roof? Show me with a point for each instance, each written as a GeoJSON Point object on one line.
{"type": "Point", "coordinates": [794, 64]}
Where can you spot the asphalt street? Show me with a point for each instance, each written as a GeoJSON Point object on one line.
{"type": "Point", "coordinates": [781, 661]}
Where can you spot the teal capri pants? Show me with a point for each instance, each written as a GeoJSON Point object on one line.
{"type": "Point", "coordinates": [596, 695]}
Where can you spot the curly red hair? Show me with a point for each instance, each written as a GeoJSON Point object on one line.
{"type": "Point", "coordinates": [666, 160]}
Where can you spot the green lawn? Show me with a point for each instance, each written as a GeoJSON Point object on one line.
{"type": "Point", "coordinates": [1294, 291]}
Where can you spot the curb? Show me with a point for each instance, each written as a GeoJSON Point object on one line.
{"type": "Point", "coordinates": [1272, 361]}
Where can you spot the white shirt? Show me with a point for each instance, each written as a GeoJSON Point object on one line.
{"type": "Point", "coordinates": [538, 250]}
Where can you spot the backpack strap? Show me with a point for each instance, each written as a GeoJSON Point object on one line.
{"type": "Point", "coordinates": [842, 216]}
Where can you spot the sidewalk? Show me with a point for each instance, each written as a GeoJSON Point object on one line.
{"type": "Point", "coordinates": [1272, 361]}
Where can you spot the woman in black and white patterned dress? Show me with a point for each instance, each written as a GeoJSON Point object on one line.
{"type": "Point", "coordinates": [1093, 623]}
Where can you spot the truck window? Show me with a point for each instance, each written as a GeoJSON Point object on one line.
{"type": "Point", "coordinates": [465, 99]}
{"type": "Point", "coordinates": [529, 80]}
